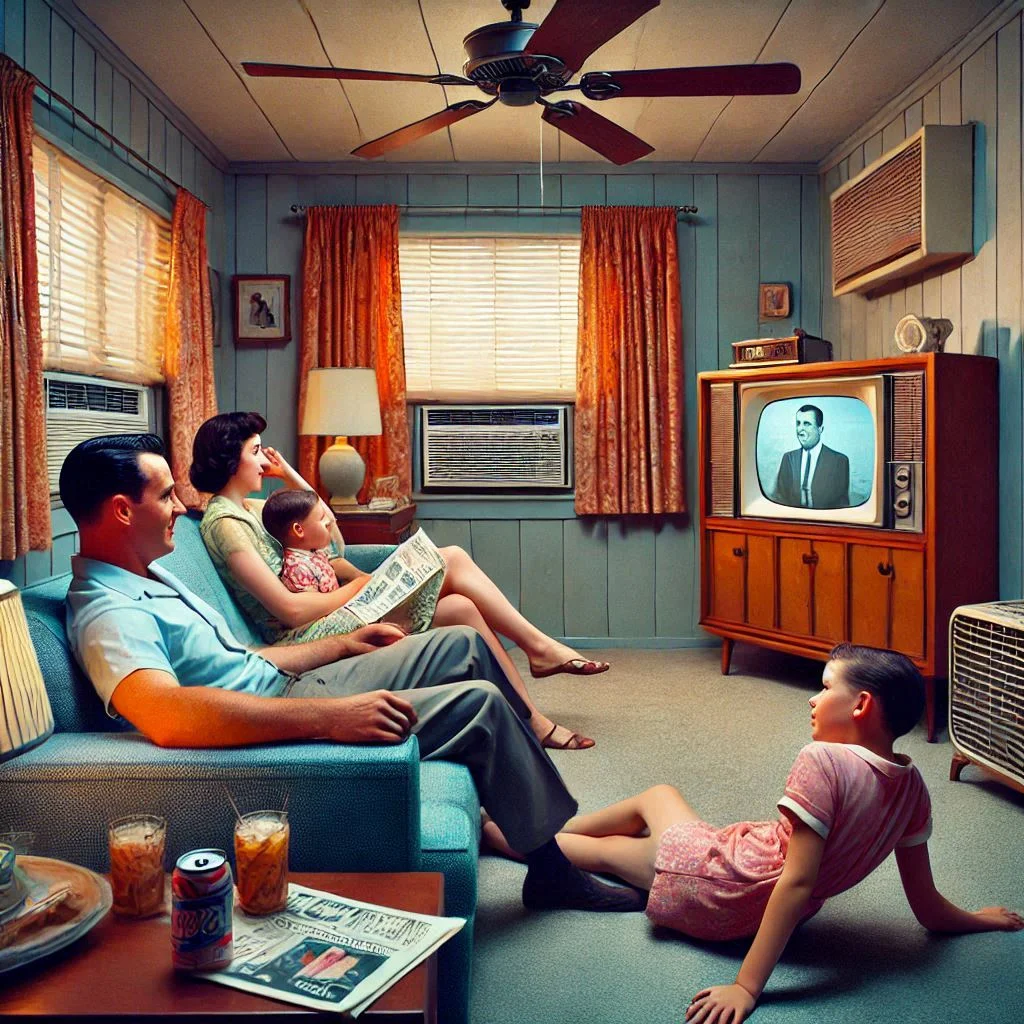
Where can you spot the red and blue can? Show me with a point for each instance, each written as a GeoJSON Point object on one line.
{"type": "Point", "coordinates": [202, 899]}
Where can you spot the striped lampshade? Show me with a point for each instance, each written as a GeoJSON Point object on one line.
{"type": "Point", "coordinates": [25, 716]}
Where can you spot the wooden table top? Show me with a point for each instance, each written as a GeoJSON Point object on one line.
{"type": "Point", "coordinates": [123, 967]}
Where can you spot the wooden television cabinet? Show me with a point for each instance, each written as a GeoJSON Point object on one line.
{"type": "Point", "coordinates": [802, 586]}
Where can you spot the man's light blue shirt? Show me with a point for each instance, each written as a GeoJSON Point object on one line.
{"type": "Point", "coordinates": [119, 622]}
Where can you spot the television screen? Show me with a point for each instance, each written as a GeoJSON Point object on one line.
{"type": "Point", "coordinates": [816, 452]}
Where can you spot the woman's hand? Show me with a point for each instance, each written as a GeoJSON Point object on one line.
{"type": "Point", "coordinates": [281, 469]}
{"type": "Point", "coordinates": [368, 638]}
{"type": "Point", "coordinates": [723, 1004]}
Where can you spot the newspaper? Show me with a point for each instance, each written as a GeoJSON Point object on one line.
{"type": "Point", "coordinates": [330, 952]}
{"type": "Point", "coordinates": [404, 588]}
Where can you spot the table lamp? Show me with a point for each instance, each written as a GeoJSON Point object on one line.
{"type": "Point", "coordinates": [342, 401]}
{"type": "Point", "coordinates": [25, 716]}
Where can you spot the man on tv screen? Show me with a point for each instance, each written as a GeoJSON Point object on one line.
{"type": "Point", "coordinates": [813, 475]}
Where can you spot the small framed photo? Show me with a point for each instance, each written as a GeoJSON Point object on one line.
{"type": "Point", "coordinates": [773, 302]}
{"type": "Point", "coordinates": [262, 308]}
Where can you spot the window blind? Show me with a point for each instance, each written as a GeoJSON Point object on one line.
{"type": "Point", "coordinates": [104, 266]}
{"type": "Point", "coordinates": [490, 318]}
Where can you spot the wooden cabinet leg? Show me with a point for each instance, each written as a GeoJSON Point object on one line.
{"type": "Point", "coordinates": [929, 706]}
{"type": "Point", "coordinates": [956, 766]}
{"type": "Point", "coordinates": [726, 656]}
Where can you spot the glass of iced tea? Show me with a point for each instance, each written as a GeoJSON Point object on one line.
{"type": "Point", "coordinates": [261, 861]}
{"type": "Point", "coordinates": [137, 846]}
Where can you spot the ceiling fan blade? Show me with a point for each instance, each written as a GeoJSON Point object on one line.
{"type": "Point", "coordinates": [596, 131]}
{"type": "Point", "coordinates": [574, 29]}
{"type": "Point", "coordinates": [258, 70]}
{"type": "Point", "coordinates": [418, 129]}
{"type": "Point", "coordinates": [723, 80]}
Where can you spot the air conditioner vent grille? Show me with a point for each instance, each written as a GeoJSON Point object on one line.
{"type": "Point", "coordinates": [986, 685]}
{"type": "Point", "coordinates": [63, 394]}
{"type": "Point", "coordinates": [496, 447]}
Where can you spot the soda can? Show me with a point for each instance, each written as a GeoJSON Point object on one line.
{"type": "Point", "coordinates": [202, 898]}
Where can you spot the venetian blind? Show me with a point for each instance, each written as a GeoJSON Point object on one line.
{"type": "Point", "coordinates": [104, 266]}
{"type": "Point", "coordinates": [490, 318]}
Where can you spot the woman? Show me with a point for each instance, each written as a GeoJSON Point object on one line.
{"type": "Point", "coordinates": [230, 462]}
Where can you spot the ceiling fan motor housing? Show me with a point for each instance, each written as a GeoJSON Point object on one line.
{"type": "Point", "coordinates": [498, 65]}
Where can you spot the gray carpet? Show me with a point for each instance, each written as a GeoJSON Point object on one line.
{"type": "Point", "coordinates": [727, 744]}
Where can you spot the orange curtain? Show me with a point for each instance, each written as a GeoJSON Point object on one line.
{"type": "Point", "coordinates": [352, 316]}
{"type": "Point", "coordinates": [24, 485]}
{"type": "Point", "coordinates": [629, 380]}
{"type": "Point", "coordinates": [188, 348]}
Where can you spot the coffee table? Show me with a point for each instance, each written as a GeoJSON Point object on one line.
{"type": "Point", "coordinates": [123, 969]}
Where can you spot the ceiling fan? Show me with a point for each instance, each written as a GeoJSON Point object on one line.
{"type": "Point", "coordinates": [518, 63]}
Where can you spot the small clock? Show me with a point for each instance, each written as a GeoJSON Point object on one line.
{"type": "Point", "coordinates": [800, 347]}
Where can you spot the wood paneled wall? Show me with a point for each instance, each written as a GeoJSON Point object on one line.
{"type": "Point", "coordinates": [40, 39]}
{"type": "Point", "coordinates": [983, 297]}
{"type": "Point", "coordinates": [598, 580]}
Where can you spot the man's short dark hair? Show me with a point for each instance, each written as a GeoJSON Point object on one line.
{"type": "Point", "coordinates": [890, 677]}
{"type": "Point", "coordinates": [101, 467]}
{"type": "Point", "coordinates": [819, 416]}
{"type": "Point", "coordinates": [217, 448]}
{"type": "Point", "coordinates": [283, 508]}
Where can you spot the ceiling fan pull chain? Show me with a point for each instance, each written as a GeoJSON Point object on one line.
{"type": "Point", "coordinates": [540, 128]}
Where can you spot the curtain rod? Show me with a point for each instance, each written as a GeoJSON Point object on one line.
{"type": "Point", "coordinates": [681, 211]}
{"type": "Point", "coordinates": [117, 142]}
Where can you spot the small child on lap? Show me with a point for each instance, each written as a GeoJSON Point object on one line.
{"type": "Point", "coordinates": [299, 522]}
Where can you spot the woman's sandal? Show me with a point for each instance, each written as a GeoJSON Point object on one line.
{"type": "Point", "coordinates": [574, 742]}
{"type": "Point", "coordinates": [574, 667]}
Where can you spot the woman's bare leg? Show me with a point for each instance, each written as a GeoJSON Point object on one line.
{"type": "Point", "coordinates": [463, 576]}
{"type": "Point", "coordinates": [457, 610]}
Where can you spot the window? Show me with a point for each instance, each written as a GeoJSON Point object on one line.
{"type": "Point", "coordinates": [104, 266]}
{"type": "Point", "coordinates": [490, 319]}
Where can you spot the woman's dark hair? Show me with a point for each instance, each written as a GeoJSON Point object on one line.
{"type": "Point", "coordinates": [101, 467]}
{"type": "Point", "coordinates": [892, 678]}
{"type": "Point", "coordinates": [283, 508]}
{"type": "Point", "coordinates": [217, 448]}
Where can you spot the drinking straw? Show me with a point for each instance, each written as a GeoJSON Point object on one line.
{"type": "Point", "coordinates": [238, 813]}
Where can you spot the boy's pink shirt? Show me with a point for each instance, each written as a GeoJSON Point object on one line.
{"type": "Point", "coordinates": [862, 803]}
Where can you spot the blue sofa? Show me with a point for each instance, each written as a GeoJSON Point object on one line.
{"type": "Point", "coordinates": [352, 808]}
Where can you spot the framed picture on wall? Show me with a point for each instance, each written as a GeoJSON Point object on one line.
{"type": "Point", "coordinates": [262, 308]}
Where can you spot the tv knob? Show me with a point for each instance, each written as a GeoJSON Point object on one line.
{"type": "Point", "coordinates": [901, 504]}
{"type": "Point", "coordinates": [901, 477]}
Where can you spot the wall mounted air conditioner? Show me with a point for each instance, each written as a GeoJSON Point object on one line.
{"type": "Point", "coordinates": [81, 407]}
{"type": "Point", "coordinates": [496, 447]}
{"type": "Point", "coordinates": [907, 211]}
{"type": "Point", "coordinates": [986, 689]}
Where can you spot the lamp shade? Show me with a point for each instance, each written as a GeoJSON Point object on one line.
{"type": "Point", "coordinates": [343, 401]}
{"type": "Point", "coordinates": [25, 716]}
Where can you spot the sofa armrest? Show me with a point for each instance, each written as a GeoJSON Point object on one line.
{"type": "Point", "coordinates": [352, 808]}
{"type": "Point", "coordinates": [367, 557]}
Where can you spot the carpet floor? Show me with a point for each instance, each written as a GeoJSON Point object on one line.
{"type": "Point", "coordinates": [727, 743]}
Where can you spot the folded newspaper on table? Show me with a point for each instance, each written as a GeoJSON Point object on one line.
{"type": "Point", "coordinates": [404, 588]}
{"type": "Point", "coordinates": [330, 952]}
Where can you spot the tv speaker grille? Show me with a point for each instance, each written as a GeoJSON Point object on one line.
{"type": "Point", "coordinates": [986, 685]}
{"type": "Point", "coordinates": [723, 450]}
{"type": "Point", "coordinates": [908, 417]}
{"type": "Point", "coordinates": [879, 219]}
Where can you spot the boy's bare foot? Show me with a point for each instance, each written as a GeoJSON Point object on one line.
{"type": "Point", "coordinates": [493, 840]}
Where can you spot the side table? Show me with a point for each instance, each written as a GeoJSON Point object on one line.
{"type": "Point", "coordinates": [121, 969]}
{"type": "Point", "coordinates": [360, 526]}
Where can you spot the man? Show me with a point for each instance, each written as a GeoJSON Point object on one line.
{"type": "Point", "coordinates": [167, 662]}
{"type": "Point", "coordinates": [813, 475]}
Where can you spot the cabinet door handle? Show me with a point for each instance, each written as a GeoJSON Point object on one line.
{"type": "Point", "coordinates": [885, 568]}
{"type": "Point", "coordinates": [738, 552]}
{"type": "Point", "coordinates": [811, 559]}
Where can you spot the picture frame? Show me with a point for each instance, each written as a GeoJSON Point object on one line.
{"type": "Point", "coordinates": [773, 301]}
{"type": "Point", "coordinates": [262, 308]}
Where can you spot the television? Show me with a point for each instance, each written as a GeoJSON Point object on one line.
{"type": "Point", "coordinates": [844, 450]}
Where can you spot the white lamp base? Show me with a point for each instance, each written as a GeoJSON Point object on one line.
{"type": "Point", "coordinates": [342, 472]}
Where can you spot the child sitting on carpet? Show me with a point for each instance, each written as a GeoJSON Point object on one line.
{"type": "Point", "coordinates": [848, 803]}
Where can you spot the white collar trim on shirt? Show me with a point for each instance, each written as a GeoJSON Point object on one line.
{"type": "Point", "coordinates": [901, 766]}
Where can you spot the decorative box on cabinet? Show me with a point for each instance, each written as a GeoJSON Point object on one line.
{"type": "Point", "coordinates": [804, 586]}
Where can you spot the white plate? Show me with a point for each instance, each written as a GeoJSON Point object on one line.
{"type": "Point", "coordinates": [91, 897]}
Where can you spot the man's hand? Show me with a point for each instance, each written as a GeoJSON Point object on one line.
{"type": "Point", "coordinates": [723, 1004]}
{"type": "Point", "coordinates": [369, 638]}
{"type": "Point", "coordinates": [376, 717]}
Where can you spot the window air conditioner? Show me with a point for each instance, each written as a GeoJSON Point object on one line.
{"type": "Point", "coordinates": [81, 407]}
{"type": "Point", "coordinates": [986, 689]}
{"type": "Point", "coordinates": [496, 447]}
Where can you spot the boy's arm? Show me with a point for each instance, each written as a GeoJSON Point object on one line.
{"type": "Point", "coordinates": [786, 906]}
{"type": "Point", "coordinates": [934, 911]}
